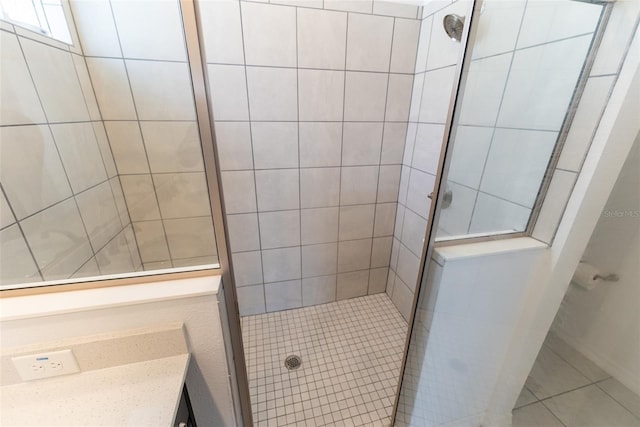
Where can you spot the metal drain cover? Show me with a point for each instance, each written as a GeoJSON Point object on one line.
{"type": "Point", "coordinates": [292, 362]}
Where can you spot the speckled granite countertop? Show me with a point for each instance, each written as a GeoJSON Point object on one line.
{"type": "Point", "coordinates": [136, 394]}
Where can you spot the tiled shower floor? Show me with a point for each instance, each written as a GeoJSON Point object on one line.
{"type": "Point", "coordinates": [351, 352]}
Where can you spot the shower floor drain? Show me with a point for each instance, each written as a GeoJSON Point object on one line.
{"type": "Point", "coordinates": [292, 362]}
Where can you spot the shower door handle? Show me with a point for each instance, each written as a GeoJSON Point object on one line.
{"type": "Point", "coordinates": [446, 200]}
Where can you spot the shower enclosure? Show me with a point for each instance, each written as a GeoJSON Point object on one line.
{"type": "Point", "coordinates": [329, 146]}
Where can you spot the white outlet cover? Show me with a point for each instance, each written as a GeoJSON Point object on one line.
{"type": "Point", "coordinates": [45, 365]}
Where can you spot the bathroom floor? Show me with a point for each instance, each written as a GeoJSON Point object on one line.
{"type": "Point", "coordinates": [565, 388]}
{"type": "Point", "coordinates": [351, 352]}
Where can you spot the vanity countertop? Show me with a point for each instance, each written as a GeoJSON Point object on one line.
{"type": "Point", "coordinates": [137, 394]}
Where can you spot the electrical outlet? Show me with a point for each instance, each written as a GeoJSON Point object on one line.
{"type": "Point", "coordinates": [45, 365]}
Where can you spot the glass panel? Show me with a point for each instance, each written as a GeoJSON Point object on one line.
{"type": "Point", "coordinates": [525, 63]}
{"type": "Point", "coordinates": [102, 170]}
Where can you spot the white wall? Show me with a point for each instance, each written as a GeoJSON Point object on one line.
{"type": "Point", "coordinates": [604, 323]}
{"type": "Point", "coordinates": [208, 376]}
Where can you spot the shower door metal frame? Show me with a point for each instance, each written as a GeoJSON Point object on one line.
{"type": "Point", "coordinates": [439, 189]}
{"type": "Point", "coordinates": [204, 112]}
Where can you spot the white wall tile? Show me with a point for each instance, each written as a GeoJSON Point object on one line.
{"type": "Point", "coordinates": [369, 42]}
{"type": "Point", "coordinates": [408, 266]}
{"type": "Point", "coordinates": [592, 103]}
{"type": "Point", "coordinates": [319, 225]}
{"type": "Point", "coordinates": [436, 95]}
{"type": "Point", "coordinates": [114, 257]}
{"type": "Point", "coordinates": [364, 6]}
{"type": "Point", "coordinates": [58, 240]}
{"type": "Point", "coordinates": [320, 95]}
{"type": "Point", "coordinates": [381, 252]}
{"type": "Point", "coordinates": [322, 39]}
{"type": "Point", "coordinates": [18, 266]}
{"type": "Point", "coordinates": [393, 8]}
{"type": "Point", "coordinates": [283, 295]}
{"type": "Point", "coordinates": [269, 34]}
{"type": "Point", "coordinates": [118, 198]}
{"type": "Point", "coordinates": [455, 219]}
{"type": "Point", "coordinates": [319, 187]}
{"type": "Point", "coordinates": [39, 180]}
{"type": "Point", "coordinates": [251, 300]}
{"type": "Point", "coordinates": [385, 219]}
{"type": "Point", "coordinates": [351, 285]}
{"type": "Point", "coordinates": [140, 196]}
{"type": "Point", "coordinates": [395, 248]}
{"type": "Point", "coordinates": [150, 29]}
{"type": "Point", "coordinates": [111, 85]}
{"type": "Point", "coordinates": [222, 31]}
{"type": "Point", "coordinates": [275, 144]}
{"type": "Point", "coordinates": [356, 222]}
{"type": "Point", "coordinates": [549, 21]}
{"type": "Point", "coordinates": [56, 81]}
{"type": "Point", "coordinates": [399, 97]}
{"type": "Point", "coordinates": [614, 44]}
{"type": "Point", "coordinates": [6, 216]}
{"type": "Point", "coordinates": [319, 260]}
{"type": "Point", "coordinates": [162, 90]}
{"type": "Point", "coordinates": [19, 103]}
{"type": "Point", "coordinates": [233, 140]}
{"type": "Point", "coordinates": [393, 139]}
{"type": "Point", "coordinates": [190, 237]}
{"type": "Point", "coordinates": [416, 97]}
{"type": "Point", "coordinates": [495, 215]}
{"type": "Point", "coordinates": [498, 27]}
{"type": "Point", "coordinates": [388, 183]}
{"type": "Point", "coordinates": [365, 96]}
{"type": "Point", "coordinates": [105, 148]}
{"type": "Point", "coordinates": [361, 143]}
{"type": "Point", "coordinates": [377, 280]}
{"type": "Point", "coordinates": [80, 154]}
{"type": "Point", "coordinates": [247, 268]}
{"type": "Point", "coordinates": [243, 232]}
{"type": "Point", "coordinates": [405, 45]}
{"type": "Point", "coordinates": [173, 146]}
{"type": "Point", "coordinates": [281, 264]}
{"type": "Point", "coordinates": [182, 194]}
{"type": "Point", "coordinates": [86, 86]}
{"type": "Point", "coordinates": [301, 3]}
{"type": "Point", "coordinates": [541, 84]}
{"type": "Point", "coordinates": [420, 186]}
{"type": "Point", "coordinates": [90, 269]}
{"type": "Point", "coordinates": [426, 151]}
{"type": "Point", "coordinates": [96, 28]}
{"type": "Point", "coordinates": [443, 51]}
{"type": "Point", "coordinates": [318, 290]}
{"type": "Point", "coordinates": [228, 85]}
{"type": "Point", "coordinates": [484, 89]}
{"type": "Point", "coordinates": [278, 189]}
{"type": "Point", "coordinates": [127, 147]}
{"type": "Point", "coordinates": [99, 214]}
{"type": "Point", "coordinates": [272, 93]}
{"type": "Point", "coordinates": [354, 255]}
{"type": "Point", "coordinates": [320, 144]}
{"type": "Point", "coordinates": [279, 229]}
{"type": "Point", "coordinates": [130, 237]}
{"type": "Point", "coordinates": [402, 298]}
{"type": "Point", "coordinates": [239, 191]}
{"type": "Point", "coordinates": [358, 185]}
{"type": "Point", "coordinates": [413, 231]}
{"type": "Point", "coordinates": [470, 150]}
{"type": "Point", "coordinates": [405, 174]}
{"type": "Point", "coordinates": [423, 44]}
{"type": "Point", "coordinates": [517, 163]}
{"type": "Point", "coordinates": [554, 204]}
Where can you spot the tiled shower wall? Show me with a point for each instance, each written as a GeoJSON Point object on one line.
{"type": "Point", "coordinates": [137, 60]}
{"type": "Point", "coordinates": [62, 210]}
{"type": "Point", "coordinates": [434, 78]}
{"type": "Point", "coordinates": [311, 109]}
